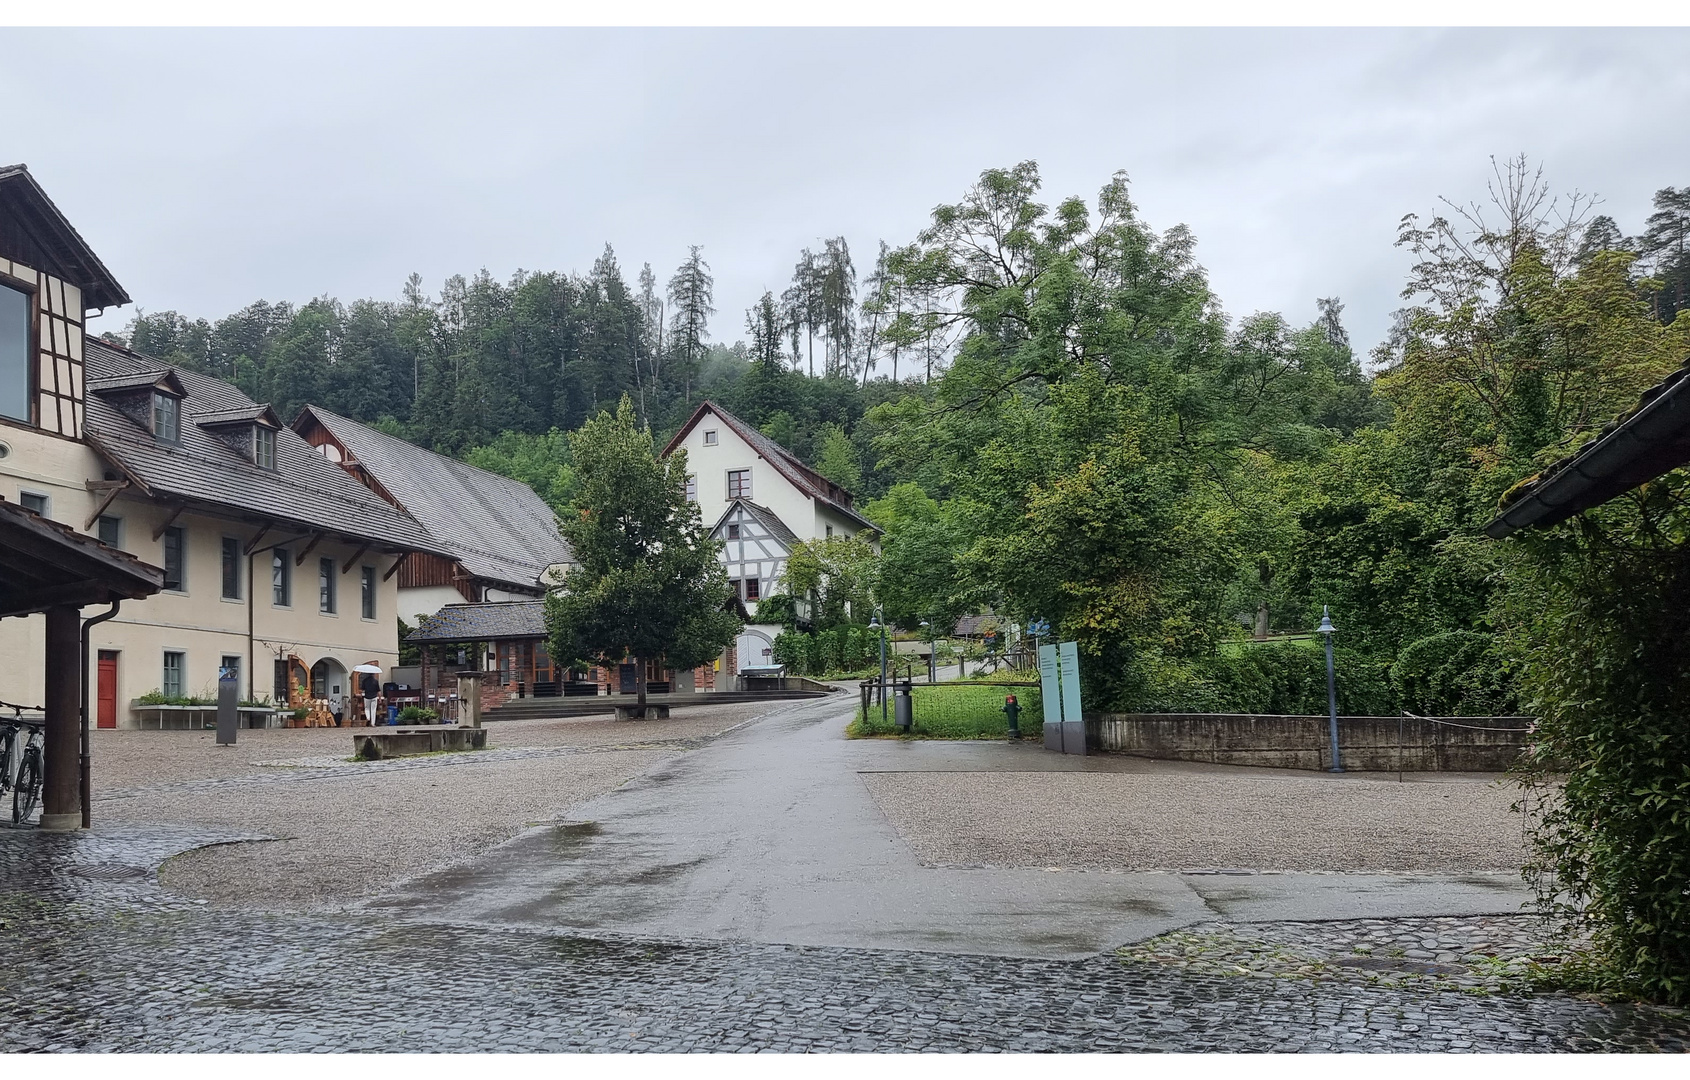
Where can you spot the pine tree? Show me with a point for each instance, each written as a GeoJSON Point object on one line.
{"type": "Point", "coordinates": [691, 291]}
{"type": "Point", "coordinates": [764, 328]}
{"type": "Point", "coordinates": [838, 302]}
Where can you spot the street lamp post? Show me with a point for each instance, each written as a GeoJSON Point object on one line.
{"type": "Point", "coordinates": [1326, 629]}
{"type": "Point", "coordinates": [877, 623]}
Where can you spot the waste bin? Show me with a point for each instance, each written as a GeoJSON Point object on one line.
{"type": "Point", "coordinates": [903, 708]}
{"type": "Point", "coordinates": [393, 715]}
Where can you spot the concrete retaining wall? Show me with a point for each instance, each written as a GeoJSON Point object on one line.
{"type": "Point", "coordinates": [1366, 743]}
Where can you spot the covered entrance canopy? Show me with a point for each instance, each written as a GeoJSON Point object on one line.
{"type": "Point", "coordinates": [47, 567]}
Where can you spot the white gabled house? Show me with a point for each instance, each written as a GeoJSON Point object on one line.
{"type": "Point", "coordinates": [763, 500]}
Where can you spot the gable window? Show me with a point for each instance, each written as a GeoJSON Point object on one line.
{"type": "Point", "coordinates": [367, 597]}
{"type": "Point", "coordinates": [739, 483]}
{"type": "Point", "coordinates": [263, 447]}
{"type": "Point", "coordinates": [16, 372]}
{"type": "Point", "coordinates": [733, 531]}
{"type": "Point", "coordinates": [167, 417]}
{"type": "Point", "coordinates": [111, 530]}
{"type": "Point", "coordinates": [281, 578]}
{"type": "Point", "coordinates": [325, 586]}
{"type": "Point", "coordinates": [692, 489]}
{"type": "Point", "coordinates": [709, 438]}
{"type": "Point", "coordinates": [231, 568]}
{"type": "Point", "coordinates": [29, 500]}
{"type": "Point", "coordinates": [175, 674]}
{"type": "Point", "coordinates": [175, 559]}
{"type": "Point", "coordinates": [751, 589]}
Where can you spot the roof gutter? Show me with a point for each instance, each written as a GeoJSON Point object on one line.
{"type": "Point", "coordinates": [1558, 497]}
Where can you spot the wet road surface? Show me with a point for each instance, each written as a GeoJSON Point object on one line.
{"type": "Point", "coordinates": [551, 943]}
{"type": "Point", "coordinates": [768, 834]}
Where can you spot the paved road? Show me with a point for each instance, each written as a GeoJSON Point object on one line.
{"type": "Point", "coordinates": [722, 903]}
{"type": "Point", "coordinates": [769, 835]}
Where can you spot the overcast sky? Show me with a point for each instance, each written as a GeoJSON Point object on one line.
{"type": "Point", "coordinates": [213, 168]}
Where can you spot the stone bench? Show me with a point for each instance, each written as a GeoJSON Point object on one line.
{"type": "Point", "coordinates": [378, 744]}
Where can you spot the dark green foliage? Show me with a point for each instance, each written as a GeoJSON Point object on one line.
{"type": "Point", "coordinates": [839, 649]}
{"type": "Point", "coordinates": [1603, 608]}
{"type": "Point", "coordinates": [416, 714]}
{"type": "Point", "coordinates": [780, 609]}
{"type": "Point", "coordinates": [1289, 680]}
{"type": "Point", "coordinates": [1459, 673]}
{"type": "Point", "coordinates": [646, 582]}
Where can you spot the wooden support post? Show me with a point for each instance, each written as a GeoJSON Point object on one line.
{"type": "Point", "coordinates": [169, 521]}
{"type": "Point", "coordinates": [61, 809]}
{"type": "Point", "coordinates": [112, 488]}
{"type": "Point", "coordinates": [356, 555]}
{"type": "Point", "coordinates": [299, 560]}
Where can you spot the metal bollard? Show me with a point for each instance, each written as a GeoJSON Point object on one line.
{"type": "Point", "coordinates": [1012, 710]}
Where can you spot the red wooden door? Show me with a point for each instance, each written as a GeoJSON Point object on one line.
{"type": "Point", "coordinates": [107, 695]}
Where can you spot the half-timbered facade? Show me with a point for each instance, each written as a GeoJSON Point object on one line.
{"type": "Point", "coordinates": [763, 500]}
{"type": "Point", "coordinates": [272, 558]}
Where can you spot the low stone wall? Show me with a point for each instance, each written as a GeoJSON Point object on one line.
{"type": "Point", "coordinates": [1365, 743]}
{"type": "Point", "coordinates": [378, 744]}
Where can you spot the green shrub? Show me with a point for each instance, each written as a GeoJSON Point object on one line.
{"type": "Point", "coordinates": [417, 714]}
{"type": "Point", "coordinates": [791, 650]}
{"type": "Point", "coordinates": [1279, 679]}
{"type": "Point", "coordinates": [1601, 610]}
{"type": "Point", "coordinates": [1455, 674]}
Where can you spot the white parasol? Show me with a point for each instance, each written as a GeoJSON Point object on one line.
{"type": "Point", "coordinates": [368, 669]}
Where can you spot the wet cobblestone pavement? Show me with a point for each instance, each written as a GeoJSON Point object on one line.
{"type": "Point", "coordinates": [96, 957]}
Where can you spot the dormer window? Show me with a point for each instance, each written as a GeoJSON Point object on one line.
{"type": "Point", "coordinates": [263, 447]}
{"type": "Point", "coordinates": [167, 417]}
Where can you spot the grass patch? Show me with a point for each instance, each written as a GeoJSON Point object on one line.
{"type": "Point", "coordinates": [955, 711]}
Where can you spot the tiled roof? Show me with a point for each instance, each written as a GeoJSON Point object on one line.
{"type": "Point", "coordinates": [785, 462]}
{"type": "Point", "coordinates": [212, 418]}
{"type": "Point", "coordinates": [305, 490]}
{"type": "Point", "coordinates": [495, 526]}
{"type": "Point", "coordinates": [482, 622]}
{"type": "Point", "coordinates": [40, 559]}
{"type": "Point", "coordinates": [132, 380]}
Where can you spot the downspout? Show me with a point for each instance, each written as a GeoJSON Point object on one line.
{"type": "Point", "coordinates": [87, 758]}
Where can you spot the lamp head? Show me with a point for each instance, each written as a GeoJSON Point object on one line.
{"type": "Point", "coordinates": [1325, 626]}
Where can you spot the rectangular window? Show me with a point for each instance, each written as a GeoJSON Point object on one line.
{"type": "Point", "coordinates": [231, 568]}
{"type": "Point", "coordinates": [29, 500]}
{"type": "Point", "coordinates": [325, 586]}
{"type": "Point", "coordinates": [264, 447]}
{"type": "Point", "coordinates": [175, 674]}
{"type": "Point", "coordinates": [279, 684]}
{"type": "Point", "coordinates": [739, 483]}
{"type": "Point", "coordinates": [16, 389]}
{"type": "Point", "coordinates": [229, 667]}
{"type": "Point", "coordinates": [751, 590]}
{"type": "Point", "coordinates": [281, 578]}
{"type": "Point", "coordinates": [733, 531]}
{"type": "Point", "coordinates": [175, 559]}
{"type": "Point", "coordinates": [692, 489]}
{"type": "Point", "coordinates": [367, 596]}
{"type": "Point", "coordinates": [830, 531]}
{"type": "Point", "coordinates": [167, 418]}
{"type": "Point", "coordinates": [709, 438]}
{"type": "Point", "coordinates": [111, 530]}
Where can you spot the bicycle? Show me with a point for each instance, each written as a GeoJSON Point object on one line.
{"type": "Point", "coordinates": [21, 767]}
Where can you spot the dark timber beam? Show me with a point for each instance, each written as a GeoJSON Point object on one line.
{"type": "Point", "coordinates": [111, 488]}
{"type": "Point", "coordinates": [263, 531]}
{"type": "Point", "coordinates": [299, 560]}
{"type": "Point", "coordinates": [394, 569]}
{"type": "Point", "coordinates": [356, 555]}
{"type": "Point", "coordinates": [169, 521]}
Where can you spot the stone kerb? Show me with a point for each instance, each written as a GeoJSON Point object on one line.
{"type": "Point", "coordinates": [1366, 743]}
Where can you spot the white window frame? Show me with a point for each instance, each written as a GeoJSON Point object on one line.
{"type": "Point", "coordinates": [745, 488]}
{"type": "Point", "coordinates": [181, 673]}
{"type": "Point", "coordinates": [711, 438]}
{"type": "Point", "coordinates": [259, 431]}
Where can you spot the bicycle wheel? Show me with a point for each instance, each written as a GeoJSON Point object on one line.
{"type": "Point", "coordinates": [27, 792]}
